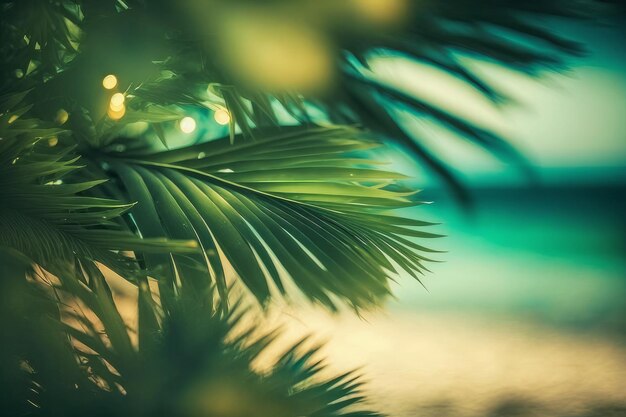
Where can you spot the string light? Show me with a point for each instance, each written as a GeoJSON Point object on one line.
{"type": "Point", "coordinates": [109, 82]}
{"type": "Point", "coordinates": [187, 124]}
{"type": "Point", "coordinates": [222, 116]}
{"type": "Point", "coordinates": [117, 102]}
{"type": "Point", "coordinates": [116, 113]}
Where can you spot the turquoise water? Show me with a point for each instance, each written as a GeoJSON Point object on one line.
{"type": "Point", "coordinates": [525, 316]}
{"type": "Point", "coordinates": [555, 254]}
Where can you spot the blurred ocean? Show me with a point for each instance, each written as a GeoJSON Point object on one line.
{"type": "Point", "coordinates": [555, 253]}
{"type": "Point", "coordinates": [525, 316]}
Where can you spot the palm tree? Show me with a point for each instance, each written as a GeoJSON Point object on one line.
{"type": "Point", "coordinates": [290, 200]}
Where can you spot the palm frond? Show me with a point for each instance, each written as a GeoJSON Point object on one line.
{"type": "Point", "coordinates": [46, 217]}
{"type": "Point", "coordinates": [178, 68]}
{"type": "Point", "coordinates": [299, 200]}
{"type": "Point", "coordinates": [511, 34]}
{"type": "Point", "coordinates": [197, 360]}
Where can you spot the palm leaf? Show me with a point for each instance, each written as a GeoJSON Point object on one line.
{"type": "Point", "coordinates": [196, 360]}
{"type": "Point", "coordinates": [443, 35]}
{"type": "Point", "coordinates": [49, 219]}
{"type": "Point", "coordinates": [290, 201]}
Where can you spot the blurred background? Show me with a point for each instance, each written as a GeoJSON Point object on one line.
{"type": "Point", "coordinates": [525, 313]}
{"type": "Point", "coordinates": [525, 316]}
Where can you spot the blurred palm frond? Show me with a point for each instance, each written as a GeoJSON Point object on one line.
{"type": "Point", "coordinates": [76, 357]}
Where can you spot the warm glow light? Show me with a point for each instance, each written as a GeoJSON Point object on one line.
{"type": "Point", "coordinates": [116, 113]}
{"type": "Point", "coordinates": [187, 124]}
{"type": "Point", "coordinates": [222, 117]}
{"type": "Point", "coordinates": [61, 116]}
{"type": "Point", "coordinates": [382, 12]}
{"type": "Point", "coordinates": [53, 141]}
{"type": "Point", "coordinates": [109, 82]}
{"type": "Point", "coordinates": [270, 52]}
{"type": "Point", "coordinates": [117, 102]}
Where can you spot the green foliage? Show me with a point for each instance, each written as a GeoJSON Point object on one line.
{"type": "Point", "coordinates": [48, 219]}
{"type": "Point", "coordinates": [291, 197]}
{"type": "Point", "coordinates": [198, 361]}
{"type": "Point", "coordinates": [166, 61]}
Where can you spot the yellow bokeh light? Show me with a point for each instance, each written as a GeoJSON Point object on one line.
{"type": "Point", "coordinates": [117, 101]}
{"type": "Point", "coordinates": [382, 12]}
{"type": "Point", "coordinates": [53, 141]}
{"type": "Point", "coordinates": [187, 124]}
{"type": "Point", "coordinates": [61, 116]}
{"type": "Point", "coordinates": [222, 116]}
{"type": "Point", "coordinates": [269, 51]}
{"type": "Point", "coordinates": [109, 82]}
{"type": "Point", "coordinates": [116, 113]}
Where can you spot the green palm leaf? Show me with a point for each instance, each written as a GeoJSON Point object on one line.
{"type": "Point", "coordinates": [77, 357]}
{"type": "Point", "coordinates": [290, 205]}
{"type": "Point", "coordinates": [443, 35]}
{"type": "Point", "coordinates": [47, 217]}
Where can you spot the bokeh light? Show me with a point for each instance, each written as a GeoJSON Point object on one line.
{"type": "Point", "coordinates": [117, 102]}
{"type": "Point", "coordinates": [268, 50]}
{"type": "Point", "coordinates": [61, 116]}
{"type": "Point", "coordinates": [222, 116]}
{"type": "Point", "coordinates": [381, 12]}
{"type": "Point", "coordinates": [187, 124]}
{"type": "Point", "coordinates": [109, 82]}
{"type": "Point", "coordinates": [116, 113]}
